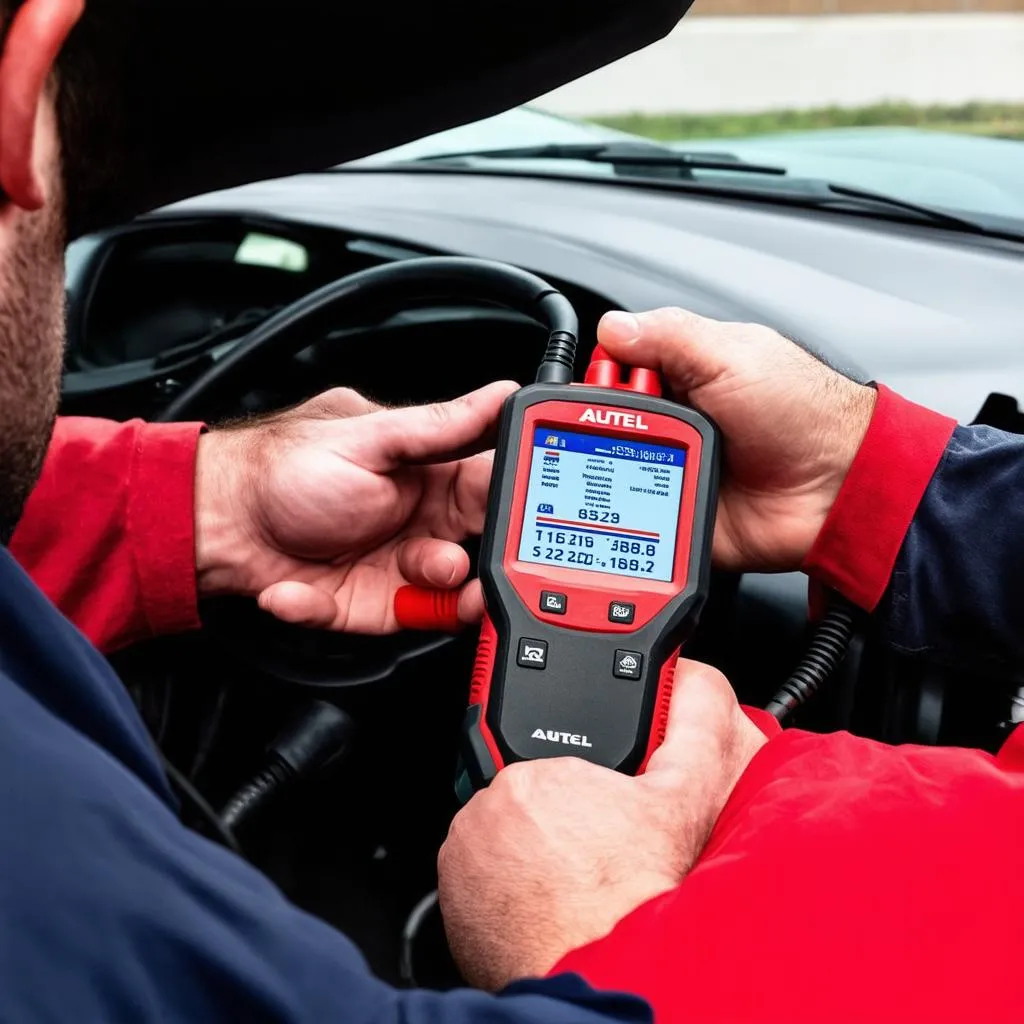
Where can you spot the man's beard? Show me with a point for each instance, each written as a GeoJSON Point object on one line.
{"type": "Point", "coordinates": [31, 347]}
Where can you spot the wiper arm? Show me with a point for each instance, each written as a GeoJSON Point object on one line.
{"type": "Point", "coordinates": [616, 154]}
{"type": "Point", "coordinates": [938, 217]}
{"type": "Point", "coordinates": [636, 155]}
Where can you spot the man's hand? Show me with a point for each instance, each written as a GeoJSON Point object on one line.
{"type": "Point", "coordinates": [324, 511]}
{"type": "Point", "coordinates": [555, 852]}
{"type": "Point", "coordinates": [792, 425]}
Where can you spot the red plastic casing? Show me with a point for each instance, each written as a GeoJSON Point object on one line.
{"type": "Point", "coordinates": [589, 592]}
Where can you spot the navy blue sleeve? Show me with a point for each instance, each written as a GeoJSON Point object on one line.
{"type": "Point", "coordinates": [114, 913]}
{"type": "Point", "coordinates": [111, 911]}
{"type": "Point", "coordinates": [956, 595]}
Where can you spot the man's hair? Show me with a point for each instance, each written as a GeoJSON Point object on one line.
{"type": "Point", "coordinates": [88, 111]}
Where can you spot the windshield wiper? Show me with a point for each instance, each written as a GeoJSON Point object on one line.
{"type": "Point", "coordinates": [930, 213]}
{"type": "Point", "coordinates": [631, 158]}
{"type": "Point", "coordinates": [616, 154]}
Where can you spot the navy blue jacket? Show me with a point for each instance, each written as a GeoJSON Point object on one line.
{"type": "Point", "coordinates": [111, 911]}
{"type": "Point", "coordinates": [927, 532]}
{"type": "Point", "coordinates": [956, 596]}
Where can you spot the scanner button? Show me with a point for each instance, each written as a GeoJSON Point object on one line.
{"type": "Point", "coordinates": [552, 603]}
{"type": "Point", "coordinates": [532, 654]}
{"type": "Point", "coordinates": [621, 612]}
{"type": "Point", "coordinates": [628, 665]}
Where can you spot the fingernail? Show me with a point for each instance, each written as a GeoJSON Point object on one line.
{"type": "Point", "coordinates": [625, 325]}
{"type": "Point", "coordinates": [448, 569]}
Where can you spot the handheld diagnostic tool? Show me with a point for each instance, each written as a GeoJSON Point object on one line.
{"type": "Point", "coordinates": [595, 564]}
{"type": "Point", "coordinates": [595, 559]}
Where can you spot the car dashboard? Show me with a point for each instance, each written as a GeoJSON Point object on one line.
{"type": "Point", "coordinates": [155, 303]}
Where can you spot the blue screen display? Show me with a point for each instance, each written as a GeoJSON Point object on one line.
{"type": "Point", "coordinates": [602, 504]}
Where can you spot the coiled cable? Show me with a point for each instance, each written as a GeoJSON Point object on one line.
{"type": "Point", "coordinates": [256, 792]}
{"type": "Point", "coordinates": [825, 653]}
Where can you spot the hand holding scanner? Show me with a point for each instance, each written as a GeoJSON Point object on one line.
{"type": "Point", "coordinates": [595, 564]}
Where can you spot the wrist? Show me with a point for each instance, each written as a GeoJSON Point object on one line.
{"type": "Point", "coordinates": [536, 952]}
{"type": "Point", "coordinates": [843, 437]}
{"type": "Point", "coordinates": [223, 534]}
{"type": "Point", "coordinates": [857, 546]}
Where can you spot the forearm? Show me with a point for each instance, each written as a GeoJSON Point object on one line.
{"type": "Point", "coordinates": [109, 532]}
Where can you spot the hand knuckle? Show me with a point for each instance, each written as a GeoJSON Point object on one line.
{"type": "Point", "coordinates": [444, 858]}
{"type": "Point", "coordinates": [511, 776]}
{"type": "Point", "coordinates": [570, 767]}
{"type": "Point", "coordinates": [701, 674]}
{"type": "Point", "coordinates": [333, 403]}
{"type": "Point", "coordinates": [462, 823]}
{"type": "Point", "coordinates": [765, 337]}
{"type": "Point", "coordinates": [452, 849]}
{"type": "Point", "coordinates": [343, 396]}
{"type": "Point", "coordinates": [516, 781]}
{"type": "Point", "coordinates": [439, 414]}
{"type": "Point", "coordinates": [678, 319]}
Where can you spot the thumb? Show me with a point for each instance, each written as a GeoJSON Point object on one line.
{"type": "Point", "coordinates": [709, 741]}
{"type": "Point", "coordinates": [689, 350]}
{"type": "Point", "coordinates": [440, 432]}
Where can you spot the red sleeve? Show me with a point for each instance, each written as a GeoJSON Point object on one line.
{"type": "Point", "coordinates": [109, 532]}
{"type": "Point", "coordinates": [845, 881]}
{"type": "Point", "coordinates": [857, 547]}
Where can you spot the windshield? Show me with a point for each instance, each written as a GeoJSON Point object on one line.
{"type": "Point", "coordinates": [924, 107]}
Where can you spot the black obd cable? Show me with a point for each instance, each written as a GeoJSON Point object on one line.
{"type": "Point", "coordinates": [825, 653]}
{"type": "Point", "coordinates": [315, 737]}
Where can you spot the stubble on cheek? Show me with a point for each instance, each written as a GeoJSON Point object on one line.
{"type": "Point", "coordinates": [31, 348]}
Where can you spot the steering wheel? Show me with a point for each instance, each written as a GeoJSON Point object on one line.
{"type": "Point", "coordinates": [365, 298]}
{"type": "Point", "coordinates": [315, 658]}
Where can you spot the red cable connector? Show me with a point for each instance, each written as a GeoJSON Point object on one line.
{"type": "Point", "coordinates": [431, 610]}
{"type": "Point", "coordinates": [605, 372]}
{"type": "Point", "coordinates": [647, 382]}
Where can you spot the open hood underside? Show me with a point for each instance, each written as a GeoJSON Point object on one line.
{"type": "Point", "coordinates": [206, 94]}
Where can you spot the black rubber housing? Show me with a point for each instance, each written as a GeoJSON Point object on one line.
{"type": "Point", "coordinates": [577, 691]}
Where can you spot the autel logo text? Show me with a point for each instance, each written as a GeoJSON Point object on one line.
{"type": "Point", "coordinates": [610, 418]}
{"type": "Point", "coordinates": [572, 739]}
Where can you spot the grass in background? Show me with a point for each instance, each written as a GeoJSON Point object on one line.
{"type": "Point", "coordinates": [1001, 119]}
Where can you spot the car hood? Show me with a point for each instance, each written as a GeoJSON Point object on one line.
{"type": "Point", "coordinates": [206, 94]}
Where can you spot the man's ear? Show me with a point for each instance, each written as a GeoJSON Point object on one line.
{"type": "Point", "coordinates": [37, 33]}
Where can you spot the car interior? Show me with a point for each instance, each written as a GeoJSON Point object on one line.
{"type": "Point", "coordinates": [158, 306]}
{"type": "Point", "coordinates": [153, 307]}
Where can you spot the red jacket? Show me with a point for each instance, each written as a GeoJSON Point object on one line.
{"type": "Point", "coordinates": [109, 532]}
{"type": "Point", "coordinates": [845, 880]}
{"type": "Point", "coordinates": [848, 880]}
